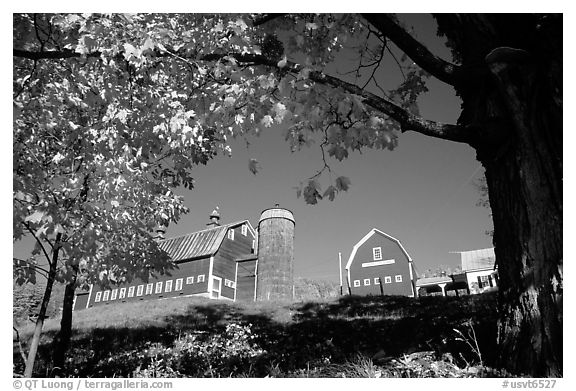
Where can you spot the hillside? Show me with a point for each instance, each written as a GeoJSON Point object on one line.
{"type": "Point", "coordinates": [346, 336]}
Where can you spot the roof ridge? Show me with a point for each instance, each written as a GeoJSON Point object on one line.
{"type": "Point", "coordinates": [205, 229]}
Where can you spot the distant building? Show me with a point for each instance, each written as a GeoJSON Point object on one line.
{"type": "Point", "coordinates": [479, 269]}
{"type": "Point", "coordinates": [379, 265]}
{"type": "Point", "coordinates": [219, 262]}
{"type": "Point", "coordinates": [479, 274]}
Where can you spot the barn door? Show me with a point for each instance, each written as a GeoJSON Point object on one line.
{"type": "Point", "coordinates": [216, 287]}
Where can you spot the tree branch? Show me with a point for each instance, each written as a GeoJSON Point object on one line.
{"type": "Point", "coordinates": [436, 66]}
{"type": "Point", "coordinates": [407, 120]}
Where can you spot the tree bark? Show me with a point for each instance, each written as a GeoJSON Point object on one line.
{"type": "Point", "coordinates": [525, 190]}
{"type": "Point", "coordinates": [28, 371]}
{"type": "Point", "coordinates": [521, 100]}
{"type": "Point", "coordinates": [62, 339]}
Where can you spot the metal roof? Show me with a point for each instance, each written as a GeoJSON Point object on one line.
{"type": "Point", "coordinates": [478, 259]}
{"type": "Point", "coordinates": [196, 244]}
{"type": "Point", "coordinates": [433, 280]}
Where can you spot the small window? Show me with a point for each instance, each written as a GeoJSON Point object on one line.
{"type": "Point", "coordinates": [201, 278]}
{"type": "Point", "coordinates": [231, 234]}
{"type": "Point", "coordinates": [105, 295]}
{"type": "Point", "coordinates": [190, 280]}
{"type": "Point", "coordinates": [356, 283]}
{"type": "Point", "coordinates": [366, 281]}
{"type": "Point", "coordinates": [98, 297]}
{"type": "Point", "coordinates": [398, 278]}
{"type": "Point", "coordinates": [229, 283]}
{"type": "Point", "coordinates": [131, 291]}
{"type": "Point", "coordinates": [377, 253]}
{"type": "Point", "coordinates": [178, 286]}
{"type": "Point", "coordinates": [114, 294]}
{"type": "Point", "coordinates": [376, 280]}
{"type": "Point", "coordinates": [244, 229]}
{"type": "Point", "coordinates": [253, 247]}
{"type": "Point", "coordinates": [149, 288]}
{"type": "Point", "coordinates": [168, 287]}
{"type": "Point", "coordinates": [387, 280]}
{"type": "Point", "coordinates": [140, 290]}
{"type": "Point", "coordinates": [158, 287]}
{"type": "Point", "coordinates": [122, 293]}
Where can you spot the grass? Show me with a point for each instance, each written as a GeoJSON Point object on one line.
{"type": "Point", "coordinates": [342, 337]}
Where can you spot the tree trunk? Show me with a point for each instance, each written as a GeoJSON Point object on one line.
{"type": "Point", "coordinates": [62, 339]}
{"type": "Point", "coordinates": [517, 101]}
{"type": "Point", "coordinates": [42, 314]}
{"type": "Point", "coordinates": [524, 177]}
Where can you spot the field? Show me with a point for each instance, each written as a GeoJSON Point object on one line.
{"type": "Point", "coordinates": [345, 336]}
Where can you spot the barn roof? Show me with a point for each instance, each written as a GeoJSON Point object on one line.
{"type": "Point", "coordinates": [368, 236]}
{"type": "Point", "coordinates": [197, 244]}
{"type": "Point", "coordinates": [478, 259]}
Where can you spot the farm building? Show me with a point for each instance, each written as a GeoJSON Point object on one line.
{"type": "Point", "coordinates": [379, 265]}
{"type": "Point", "coordinates": [479, 269]}
{"type": "Point", "coordinates": [478, 274]}
{"type": "Point", "coordinates": [228, 262]}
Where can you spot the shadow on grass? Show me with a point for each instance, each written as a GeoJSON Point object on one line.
{"type": "Point", "coordinates": [295, 336]}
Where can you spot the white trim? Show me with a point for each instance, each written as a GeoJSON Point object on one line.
{"type": "Point", "coordinates": [235, 280]}
{"type": "Point", "coordinates": [396, 279]}
{"type": "Point", "coordinates": [356, 281]}
{"type": "Point", "coordinates": [379, 263]}
{"type": "Point", "coordinates": [255, 279]}
{"type": "Point", "coordinates": [367, 282]}
{"type": "Point", "coordinates": [89, 295]}
{"type": "Point", "coordinates": [388, 280]}
{"type": "Point", "coordinates": [412, 282]}
{"type": "Point", "coordinates": [365, 239]}
{"type": "Point", "coordinates": [210, 271]}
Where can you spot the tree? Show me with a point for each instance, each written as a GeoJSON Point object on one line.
{"type": "Point", "coordinates": [226, 75]}
{"type": "Point", "coordinates": [92, 178]}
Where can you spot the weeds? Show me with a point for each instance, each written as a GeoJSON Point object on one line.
{"type": "Point", "coordinates": [471, 340]}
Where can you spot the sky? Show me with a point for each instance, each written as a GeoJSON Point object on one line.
{"type": "Point", "coordinates": [422, 193]}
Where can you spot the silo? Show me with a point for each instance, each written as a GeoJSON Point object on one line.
{"type": "Point", "coordinates": [275, 272]}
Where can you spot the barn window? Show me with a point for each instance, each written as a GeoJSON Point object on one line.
{"type": "Point", "coordinates": [98, 297]}
{"type": "Point", "coordinates": [105, 295]}
{"type": "Point", "coordinates": [376, 280]}
{"type": "Point", "coordinates": [190, 280]}
{"type": "Point", "coordinates": [387, 280]}
{"type": "Point", "coordinates": [356, 283]}
{"type": "Point", "coordinates": [244, 229]}
{"type": "Point", "coordinates": [168, 287]}
{"type": "Point", "coordinates": [231, 234]}
{"type": "Point", "coordinates": [366, 281]}
{"type": "Point", "coordinates": [201, 278]}
{"type": "Point", "coordinates": [122, 293]}
{"type": "Point", "coordinates": [229, 283]}
{"type": "Point", "coordinates": [140, 290]}
{"type": "Point", "coordinates": [149, 288]}
{"type": "Point", "coordinates": [131, 291]}
{"type": "Point", "coordinates": [158, 287]}
{"type": "Point", "coordinates": [114, 294]}
{"type": "Point", "coordinates": [398, 278]}
{"type": "Point", "coordinates": [178, 286]}
{"type": "Point", "coordinates": [377, 253]}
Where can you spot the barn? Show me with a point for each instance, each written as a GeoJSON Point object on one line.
{"type": "Point", "coordinates": [219, 262]}
{"type": "Point", "coordinates": [380, 265]}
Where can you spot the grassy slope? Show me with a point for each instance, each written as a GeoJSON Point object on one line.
{"type": "Point", "coordinates": [320, 338]}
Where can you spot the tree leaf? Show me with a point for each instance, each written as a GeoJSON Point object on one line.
{"type": "Point", "coordinates": [342, 183]}
{"type": "Point", "coordinates": [253, 166]}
